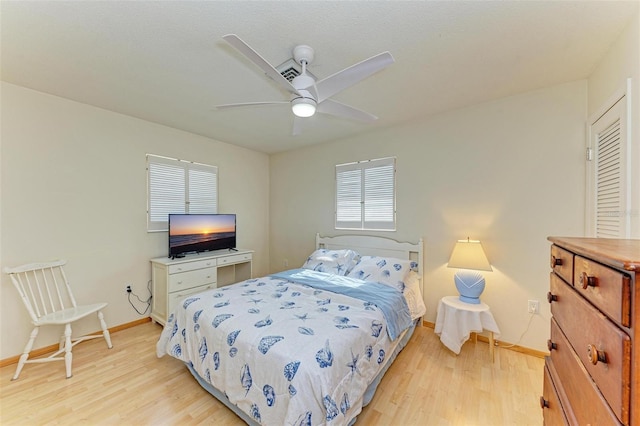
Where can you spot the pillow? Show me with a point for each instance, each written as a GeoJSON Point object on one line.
{"type": "Point", "coordinates": [386, 270]}
{"type": "Point", "coordinates": [338, 262]}
{"type": "Point", "coordinates": [413, 295]}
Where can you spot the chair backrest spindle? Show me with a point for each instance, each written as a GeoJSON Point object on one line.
{"type": "Point", "coordinates": [56, 286]}
{"type": "Point", "coordinates": [42, 290]}
{"type": "Point", "coordinates": [34, 311]}
{"type": "Point", "coordinates": [68, 287]}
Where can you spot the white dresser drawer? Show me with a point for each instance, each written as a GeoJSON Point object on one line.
{"type": "Point", "coordinates": [175, 298]}
{"type": "Point", "coordinates": [236, 258]}
{"type": "Point", "coordinates": [189, 279]}
{"type": "Point", "coordinates": [191, 266]}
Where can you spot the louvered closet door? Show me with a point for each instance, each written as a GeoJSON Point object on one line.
{"type": "Point", "coordinates": [608, 174]}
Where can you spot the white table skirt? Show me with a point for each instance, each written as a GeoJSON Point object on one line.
{"type": "Point", "coordinates": [456, 320]}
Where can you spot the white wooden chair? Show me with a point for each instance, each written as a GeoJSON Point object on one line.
{"type": "Point", "coordinates": [45, 292]}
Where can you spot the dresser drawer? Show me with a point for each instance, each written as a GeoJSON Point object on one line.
{"type": "Point", "coordinates": [587, 403]}
{"type": "Point", "coordinates": [562, 263]}
{"type": "Point", "coordinates": [189, 279]}
{"type": "Point", "coordinates": [608, 289]}
{"type": "Point", "coordinates": [603, 348]}
{"type": "Point", "coordinates": [191, 266]}
{"type": "Point", "coordinates": [552, 413]}
{"type": "Point", "coordinates": [236, 258]}
{"type": "Point", "coordinates": [175, 298]}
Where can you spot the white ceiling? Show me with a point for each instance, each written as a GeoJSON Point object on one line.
{"type": "Point", "coordinates": [166, 62]}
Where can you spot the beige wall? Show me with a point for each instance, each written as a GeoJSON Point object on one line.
{"type": "Point", "coordinates": [508, 172]}
{"type": "Point", "coordinates": [620, 63]}
{"type": "Point", "coordinates": [74, 187]}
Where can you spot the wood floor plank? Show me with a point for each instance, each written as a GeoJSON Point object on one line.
{"type": "Point", "coordinates": [128, 385]}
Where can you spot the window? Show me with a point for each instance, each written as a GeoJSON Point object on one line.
{"type": "Point", "coordinates": [365, 195]}
{"type": "Point", "coordinates": [178, 186]}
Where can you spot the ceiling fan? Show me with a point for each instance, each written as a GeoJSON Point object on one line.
{"type": "Point", "coordinates": [309, 95]}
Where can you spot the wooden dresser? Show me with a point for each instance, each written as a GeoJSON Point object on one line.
{"type": "Point", "coordinates": [592, 376]}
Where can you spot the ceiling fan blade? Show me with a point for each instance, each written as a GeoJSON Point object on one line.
{"type": "Point", "coordinates": [255, 57]}
{"type": "Point", "coordinates": [244, 104]}
{"type": "Point", "coordinates": [339, 81]}
{"type": "Point", "coordinates": [341, 110]}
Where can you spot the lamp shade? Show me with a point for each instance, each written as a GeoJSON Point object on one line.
{"type": "Point", "coordinates": [468, 254]}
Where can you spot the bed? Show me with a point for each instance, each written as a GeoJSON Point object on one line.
{"type": "Point", "coordinates": [305, 346]}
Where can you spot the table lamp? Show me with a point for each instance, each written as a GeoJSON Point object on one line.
{"type": "Point", "coordinates": [468, 256]}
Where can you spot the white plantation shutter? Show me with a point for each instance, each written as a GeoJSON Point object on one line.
{"type": "Point", "coordinates": [608, 172]}
{"type": "Point", "coordinates": [177, 186]}
{"type": "Point", "coordinates": [349, 196]}
{"type": "Point", "coordinates": [202, 191]}
{"type": "Point", "coordinates": [365, 195]}
{"type": "Point", "coordinates": [609, 194]}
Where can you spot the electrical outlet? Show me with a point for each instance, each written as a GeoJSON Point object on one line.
{"type": "Point", "coordinates": [285, 263]}
{"type": "Point", "coordinates": [128, 289]}
{"type": "Point", "coordinates": [533, 307]}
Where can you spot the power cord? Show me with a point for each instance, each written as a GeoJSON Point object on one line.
{"type": "Point", "coordinates": [148, 301]}
{"type": "Point", "coordinates": [522, 335]}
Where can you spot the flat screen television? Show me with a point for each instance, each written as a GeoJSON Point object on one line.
{"type": "Point", "coordinates": [195, 233]}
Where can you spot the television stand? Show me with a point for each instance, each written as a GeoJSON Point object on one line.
{"type": "Point", "coordinates": [174, 279]}
{"type": "Point", "coordinates": [233, 249]}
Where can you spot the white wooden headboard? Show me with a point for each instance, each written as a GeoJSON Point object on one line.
{"type": "Point", "coordinates": [369, 245]}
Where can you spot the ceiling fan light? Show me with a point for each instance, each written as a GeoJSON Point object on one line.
{"type": "Point", "coordinates": [303, 107]}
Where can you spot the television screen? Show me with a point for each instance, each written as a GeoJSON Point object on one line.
{"type": "Point", "coordinates": [193, 233]}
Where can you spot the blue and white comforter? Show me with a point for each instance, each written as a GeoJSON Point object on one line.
{"type": "Point", "coordinates": [283, 352]}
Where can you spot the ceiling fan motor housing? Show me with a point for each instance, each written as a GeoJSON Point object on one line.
{"type": "Point", "coordinates": [302, 82]}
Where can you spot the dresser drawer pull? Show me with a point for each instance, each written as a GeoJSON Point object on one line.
{"type": "Point", "coordinates": [551, 297]}
{"type": "Point", "coordinates": [595, 355]}
{"type": "Point", "coordinates": [588, 281]}
{"type": "Point", "coordinates": [555, 262]}
{"type": "Point", "coordinates": [551, 345]}
{"type": "Point", "coordinates": [543, 403]}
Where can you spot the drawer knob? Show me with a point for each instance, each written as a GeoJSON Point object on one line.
{"type": "Point", "coordinates": [555, 262]}
{"type": "Point", "coordinates": [595, 355]}
{"type": "Point", "coordinates": [551, 345]}
{"type": "Point", "coordinates": [588, 281]}
{"type": "Point", "coordinates": [543, 403]}
{"type": "Point", "coordinates": [551, 297]}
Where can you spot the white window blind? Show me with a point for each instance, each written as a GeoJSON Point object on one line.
{"type": "Point", "coordinates": [178, 186]}
{"type": "Point", "coordinates": [365, 195]}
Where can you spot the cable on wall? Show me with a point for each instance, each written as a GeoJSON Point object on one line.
{"type": "Point", "coordinates": [147, 301]}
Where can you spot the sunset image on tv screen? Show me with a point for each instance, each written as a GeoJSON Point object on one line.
{"type": "Point", "coordinates": [201, 232]}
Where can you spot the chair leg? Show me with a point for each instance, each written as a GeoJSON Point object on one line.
{"type": "Point", "coordinates": [25, 353]}
{"type": "Point", "coordinates": [68, 357]}
{"type": "Point", "coordinates": [105, 330]}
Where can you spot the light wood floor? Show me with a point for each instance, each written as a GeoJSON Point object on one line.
{"type": "Point", "coordinates": [129, 385]}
